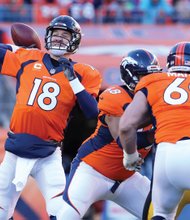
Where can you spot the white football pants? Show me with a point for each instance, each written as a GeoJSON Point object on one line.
{"type": "Point", "coordinates": [171, 177]}
{"type": "Point", "coordinates": [88, 186]}
{"type": "Point", "coordinates": [49, 175]}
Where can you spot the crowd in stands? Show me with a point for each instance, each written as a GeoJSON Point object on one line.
{"type": "Point", "coordinates": [97, 11]}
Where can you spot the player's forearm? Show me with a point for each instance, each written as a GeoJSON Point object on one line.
{"type": "Point", "coordinates": [128, 139]}
{"type": "Point", "coordinates": [88, 104]}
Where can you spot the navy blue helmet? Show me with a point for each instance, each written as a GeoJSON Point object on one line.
{"type": "Point", "coordinates": [178, 59]}
{"type": "Point", "coordinates": [137, 63]}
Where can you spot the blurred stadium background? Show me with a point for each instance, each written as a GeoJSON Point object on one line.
{"type": "Point", "coordinates": [110, 29]}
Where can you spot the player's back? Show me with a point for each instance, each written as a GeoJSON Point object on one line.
{"type": "Point", "coordinates": [168, 95]}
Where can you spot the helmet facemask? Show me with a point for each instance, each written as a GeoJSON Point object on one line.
{"type": "Point", "coordinates": [68, 46]}
{"type": "Point", "coordinates": [55, 47]}
{"type": "Point", "coordinates": [130, 80]}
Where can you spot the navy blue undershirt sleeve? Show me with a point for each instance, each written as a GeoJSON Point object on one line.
{"type": "Point", "coordinates": [2, 55]}
{"type": "Point", "coordinates": [118, 142]}
{"type": "Point", "coordinates": [142, 139]}
{"type": "Point", "coordinates": [6, 47]}
{"type": "Point", "coordinates": [88, 104]}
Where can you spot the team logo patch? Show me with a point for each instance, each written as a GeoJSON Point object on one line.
{"type": "Point", "coordinates": [52, 71]}
{"type": "Point", "coordinates": [128, 60]}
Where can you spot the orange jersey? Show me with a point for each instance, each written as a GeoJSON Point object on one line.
{"type": "Point", "coordinates": [44, 96]}
{"type": "Point", "coordinates": [100, 150]}
{"type": "Point", "coordinates": [168, 95]}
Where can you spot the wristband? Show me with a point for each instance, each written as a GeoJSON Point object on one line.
{"type": "Point", "coordinates": [76, 86]}
{"type": "Point", "coordinates": [130, 158]}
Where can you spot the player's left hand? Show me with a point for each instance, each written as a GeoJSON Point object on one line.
{"type": "Point", "coordinates": [132, 162]}
{"type": "Point", "coordinates": [67, 68]}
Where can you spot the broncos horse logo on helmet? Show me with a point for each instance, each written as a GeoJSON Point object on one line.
{"type": "Point", "coordinates": [66, 23]}
{"type": "Point", "coordinates": [136, 63]}
{"type": "Point", "coordinates": [178, 59]}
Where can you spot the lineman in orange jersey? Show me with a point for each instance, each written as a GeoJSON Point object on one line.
{"type": "Point", "coordinates": [48, 87]}
{"type": "Point", "coordinates": [166, 97]}
{"type": "Point", "coordinates": [97, 172]}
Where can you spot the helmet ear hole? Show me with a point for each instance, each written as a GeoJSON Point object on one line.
{"type": "Point", "coordinates": [66, 23]}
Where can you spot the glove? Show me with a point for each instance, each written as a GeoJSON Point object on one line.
{"type": "Point", "coordinates": [67, 68]}
{"type": "Point", "coordinates": [133, 161]}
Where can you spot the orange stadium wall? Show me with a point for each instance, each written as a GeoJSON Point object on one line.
{"type": "Point", "coordinates": [103, 47]}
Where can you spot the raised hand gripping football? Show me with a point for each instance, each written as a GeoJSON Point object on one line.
{"type": "Point", "coordinates": [67, 68]}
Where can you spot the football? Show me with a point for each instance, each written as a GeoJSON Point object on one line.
{"type": "Point", "coordinates": [25, 36]}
